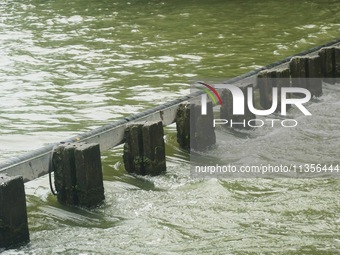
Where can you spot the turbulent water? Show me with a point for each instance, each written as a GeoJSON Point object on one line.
{"type": "Point", "coordinates": [70, 66]}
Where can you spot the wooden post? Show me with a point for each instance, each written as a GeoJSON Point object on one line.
{"type": "Point", "coordinates": [282, 80]}
{"type": "Point", "coordinates": [13, 213]}
{"type": "Point", "coordinates": [268, 79]}
{"type": "Point", "coordinates": [183, 126]}
{"type": "Point", "coordinates": [298, 72]}
{"type": "Point", "coordinates": [133, 150]}
{"type": "Point", "coordinates": [337, 64]}
{"type": "Point", "coordinates": [153, 148]}
{"type": "Point", "coordinates": [202, 131]}
{"type": "Point", "coordinates": [306, 73]}
{"type": "Point", "coordinates": [327, 64]}
{"type": "Point", "coordinates": [78, 175]}
{"type": "Point", "coordinates": [265, 83]}
{"type": "Point", "coordinates": [314, 76]}
{"type": "Point", "coordinates": [226, 111]}
{"type": "Point", "coordinates": [144, 149]}
{"type": "Point", "coordinates": [194, 130]}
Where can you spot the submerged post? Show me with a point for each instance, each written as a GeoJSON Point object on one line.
{"type": "Point", "coordinates": [13, 212]}
{"type": "Point", "coordinates": [144, 149]}
{"type": "Point", "coordinates": [78, 174]}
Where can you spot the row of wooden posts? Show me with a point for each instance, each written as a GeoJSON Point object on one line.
{"type": "Point", "coordinates": [77, 166]}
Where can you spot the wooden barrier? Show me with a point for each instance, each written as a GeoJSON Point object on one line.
{"type": "Point", "coordinates": [13, 214]}
{"type": "Point", "coordinates": [78, 167]}
{"type": "Point", "coordinates": [144, 149]}
{"type": "Point", "coordinates": [33, 164]}
{"type": "Point", "coordinates": [78, 174]}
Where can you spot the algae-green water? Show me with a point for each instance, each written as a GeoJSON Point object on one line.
{"type": "Point", "coordinates": [70, 66]}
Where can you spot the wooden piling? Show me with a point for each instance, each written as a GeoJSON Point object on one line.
{"type": "Point", "coordinates": [306, 72]}
{"type": "Point", "coordinates": [78, 174]}
{"type": "Point", "coordinates": [298, 70]}
{"type": "Point", "coordinates": [13, 213]}
{"type": "Point", "coordinates": [282, 80]}
{"type": "Point", "coordinates": [153, 148]}
{"type": "Point", "coordinates": [202, 131]}
{"type": "Point", "coordinates": [226, 110]}
{"type": "Point", "coordinates": [327, 60]}
{"type": "Point", "coordinates": [337, 64]}
{"type": "Point", "coordinates": [144, 149]}
{"type": "Point", "coordinates": [265, 83]}
{"type": "Point", "coordinates": [314, 76]}
{"type": "Point", "coordinates": [133, 149]}
{"type": "Point", "coordinates": [194, 130]}
{"type": "Point", "coordinates": [183, 126]}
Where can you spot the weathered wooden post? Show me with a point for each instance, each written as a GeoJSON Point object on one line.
{"type": "Point", "coordinates": [337, 63]}
{"type": "Point", "coordinates": [267, 80]}
{"type": "Point", "coordinates": [154, 148]}
{"type": "Point", "coordinates": [226, 111]}
{"type": "Point", "coordinates": [327, 60]}
{"type": "Point", "coordinates": [144, 149]}
{"type": "Point", "coordinates": [183, 126]}
{"type": "Point", "coordinates": [306, 73]}
{"type": "Point", "coordinates": [194, 130]}
{"type": "Point", "coordinates": [282, 80]}
{"type": "Point", "coordinates": [298, 67]}
{"type": "Point", "coordinates": [133, 149]}
{"type": "Point", "coordinates": [265, 83]}
{"type": "Point", "coordinates": [202, 131]}
{"type": "Point", "coordinates": [314, 76]}
{"type": "Point", "coordinates": [13, 213]}
{"type": "Point", "coordinates": [78, 174]}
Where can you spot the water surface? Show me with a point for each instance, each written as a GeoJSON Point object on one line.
{"type": "Point", "coordinates": [70, 66]}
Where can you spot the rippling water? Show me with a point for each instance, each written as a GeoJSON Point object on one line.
{"type": "Point", "coordinates": [70, 66]}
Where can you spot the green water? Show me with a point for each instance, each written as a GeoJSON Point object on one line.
{"type": "Point", "coordinates": [70, 66]}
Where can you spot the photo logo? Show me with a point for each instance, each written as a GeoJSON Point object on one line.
{"type": "Point", "coordinates": [243, 101]}
{"type": "Point", "coordinates": [210, 91]}
{"type": "Point", "coordinates": [239, 99]}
